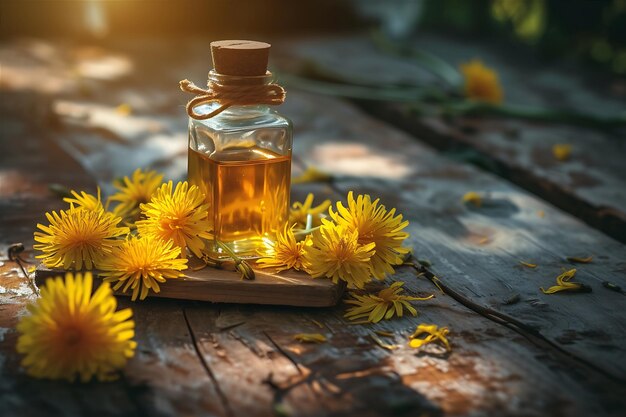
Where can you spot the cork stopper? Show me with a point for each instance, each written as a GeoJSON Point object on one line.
{"type": "Point", "coordinates": [239, 57]}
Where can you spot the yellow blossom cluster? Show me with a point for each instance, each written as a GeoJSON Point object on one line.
{"type": "Point", "coordinates": [353, 243]}
{"type": "Point", "coordinates": [144, 240]}
{"type": "Point", "coordinates": [139, 243]}
{"type": "Point", "coordinates": [71, 333]}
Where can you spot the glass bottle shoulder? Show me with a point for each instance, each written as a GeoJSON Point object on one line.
{"type": "Point", "coordinates": [241, 127]}
{"type": "Point", "coordinates": [241, 118]}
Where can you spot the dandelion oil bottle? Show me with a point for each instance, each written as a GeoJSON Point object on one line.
{"type": "Point", "coordinates": [241, 157]}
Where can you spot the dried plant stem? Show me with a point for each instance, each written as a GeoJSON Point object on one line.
{"type": "Point", "coordinates": [240, 264]}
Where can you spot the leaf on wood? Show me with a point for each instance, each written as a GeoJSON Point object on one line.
{"type": "Point", "coordinates": [580, 260]}
{"type": "Point", "coordinates": [317, 323]}
{"type": "Point", "coordinates": [310, 338]}
{"type": "Point", "coordinates": [528, 264]}
{"type": "Point", "coordinates": [382, 344]}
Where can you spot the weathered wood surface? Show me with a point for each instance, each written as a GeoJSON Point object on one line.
{"type": "Point", "coordinates": [228, 360]}
{"type": "Point", "coordinates": [479, 250]}
{"type": "Point", "coordinates": [225, 285]}
{"type": "Point", "coordinates": [591, 184]}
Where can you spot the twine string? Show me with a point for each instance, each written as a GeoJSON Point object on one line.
{"type": "Point", "coordinates": [229, 95]}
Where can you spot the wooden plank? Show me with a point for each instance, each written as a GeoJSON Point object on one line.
{"type": "Point", "coordinates": [590, 185]}
{"type": "Point", "coordinates": [478, 251]}
{"type": "Point", "coordinates": [491, 370]}
{"type": "Point", "coordinates": [165, 376]}
{"type": "Point", "coordinates": [350, 374]}
{"type": "Point", "coordinates": [243, 366]}
{"type": "Point", "coordinates": [290, 288]}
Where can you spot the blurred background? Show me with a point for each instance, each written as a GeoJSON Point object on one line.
{"type": "Point", "coordinates": [97, 82]}
{"type": "Point", "coordinates": [592, 31]}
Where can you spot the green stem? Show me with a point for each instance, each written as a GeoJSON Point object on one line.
{"type": "Point", "coordinates": [407, 94]}
{"type": "Point", "coordinates": [301, 233]}
{"type": "Point", "coordinates": [417, 97]}
{"type": "Point", "coordinates": [426, 60]}
{"type": "Point", "coordinates": [241, 265]}
{"type": "Point", "coordinates": [475, 108]}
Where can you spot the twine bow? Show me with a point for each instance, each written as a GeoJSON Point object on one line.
{"type": "Point", "coordinates": [229, 95]}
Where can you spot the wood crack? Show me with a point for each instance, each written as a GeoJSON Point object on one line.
{"type": "Point", "coordinates": [527, 331]}
{"type": "Point", "coordinates": [207, 368]}
{"type": "Point", "coordinates": [282, 351]}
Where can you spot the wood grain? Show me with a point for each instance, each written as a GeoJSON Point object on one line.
{"type": "Point", "coordinates": [198, 358]}
{"type": "Point", "coordinates": [478, 250]}
{"type": "Point", "coordinates": [590, 185]}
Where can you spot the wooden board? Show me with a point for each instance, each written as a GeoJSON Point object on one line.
{"type": "Point", "coordinates": [230, 360]}
{"type": "Point", "coordinates": [478, 250]}
{"type": "Point", "coordinates": [288, 288]}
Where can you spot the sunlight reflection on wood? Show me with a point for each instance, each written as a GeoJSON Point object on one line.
{"type": "Point", "coordinates": [358, 160]}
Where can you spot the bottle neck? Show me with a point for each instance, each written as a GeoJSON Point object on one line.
{"type": "Point", "coordinates": [234, 81]}
{"type": "Point", "coordinates": [241, 83]}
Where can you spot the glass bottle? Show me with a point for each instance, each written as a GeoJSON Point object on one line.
{"type": "Point", "coordinates": [241, 160]}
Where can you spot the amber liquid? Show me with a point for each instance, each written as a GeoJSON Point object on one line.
{"type": "Point", "coordinates": [247, 190]}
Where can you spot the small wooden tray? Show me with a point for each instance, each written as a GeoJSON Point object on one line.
{"type": "Point", "coordinates": [289, 288]}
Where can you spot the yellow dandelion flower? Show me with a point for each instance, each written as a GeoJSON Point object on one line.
{"type": "Point", "coordinates": [433, 333]}
{"type": "Point", "coordinates": [562, 151]}
{"type": "Point", "coordinates": [299, 212]}
{"type": "Point", "coordinates": [374, 308]}
{"type": "Point", "coordinates": [72, 334]}
{"type": "Point", "coordinates": [375, 224]}
{"type": "Point", "coordinates": [481, 82]}
{"type": "Point", "coordinates": [85, 200]}
{"type": "Point", "coordinates": [180, 216]}
{"type": "Point", "coordinates": [285, 253]}
{"type": "Point", "coordinates": [141, 264]}
{"type": "Point", "coordinates": [336, 253]}
{"type": "Point", "coordinates": [135, 191]}
{"type": "Point", "coordinates": [76, 238]}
